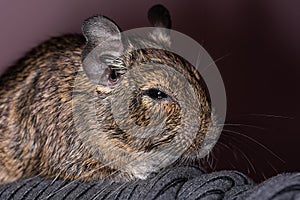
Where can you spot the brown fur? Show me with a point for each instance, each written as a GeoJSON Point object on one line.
{"type": "Point", "coordinates": [37, 131]}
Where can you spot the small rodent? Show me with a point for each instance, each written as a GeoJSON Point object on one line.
{"type": "Point", "coordinates": [38, 135]}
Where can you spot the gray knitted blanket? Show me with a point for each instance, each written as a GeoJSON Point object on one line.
{"type": "Point", "coordinates": [175, 183]}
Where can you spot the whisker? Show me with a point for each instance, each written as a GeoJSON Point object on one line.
{"type": "Point", "coordinates": [256, 142]}
{"type": "Point", "coordinates": [210, 161]}
{"type": "Point", "coordinates": [224, 145]}
{"type": "Point", "coordinates": [268, 115]}
{"type": "Point", "coordinates": [116, 190]}
{"type": "Point", "coordinates": [60, 189]}
{"type": "Point", "coordinates": [230, 149]}
{"type": "Point", "coordinates": [248, 160]}
{"type": "Point", "coordinates": [243, 125]}
{"type": "Point", "coordinates": [55, 178]}
{"type": "Point", "coordinates": [272, 166]}
{"type": "Point", "coordinates": [101, 191]}
{"type": "Point", "coordinates": [199, 58]}
{"type": "Point", "coordinates": [215, 61]}
{"type": "Point", "coordinates": [263, 175]}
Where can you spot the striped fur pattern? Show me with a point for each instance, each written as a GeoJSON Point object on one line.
{"type": "Point", "coordinates": [37, 130]}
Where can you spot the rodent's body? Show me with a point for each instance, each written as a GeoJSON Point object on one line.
{"type": "Point", "coordinates": [38, 131]}
{"type": "Point", "coordinates": [35, 111]}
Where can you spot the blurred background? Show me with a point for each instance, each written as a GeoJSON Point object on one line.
{"type": "Point", "coordinates": [256, 47]}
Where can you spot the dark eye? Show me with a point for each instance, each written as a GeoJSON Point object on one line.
{"type": "Point", "coordinates": [113, 76]}
{"type": "Point", "coordinates": [155, 94]}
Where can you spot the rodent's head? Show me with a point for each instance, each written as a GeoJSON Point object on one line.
{"type": "Point", "coordinates": [152, 106]}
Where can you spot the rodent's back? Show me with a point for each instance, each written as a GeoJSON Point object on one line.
{"type": "Point", "coordinates": [35, 106]}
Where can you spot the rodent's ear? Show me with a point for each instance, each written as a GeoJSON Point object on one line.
{"type": "Point", "coordinates": [104, 44]}
{"type": "Point", "coordinates": [98, 28]}
{"type": "Point", "coordinates": [159, 16]}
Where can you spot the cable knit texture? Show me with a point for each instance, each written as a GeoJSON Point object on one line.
{"type": "Point", "coordinates": [175, 183]}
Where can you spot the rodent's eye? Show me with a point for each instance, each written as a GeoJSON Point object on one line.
{"type": "Point", "coordinates": [155, 94]}
{"type": "Point", "coordinates": [113, 77]}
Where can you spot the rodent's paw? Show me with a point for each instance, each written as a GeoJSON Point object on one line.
{"type": "Point", "coordinates": [141, 171]}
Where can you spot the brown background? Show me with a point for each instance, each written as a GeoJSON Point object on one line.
{"type": "Point", "coordinates": [256, 44]}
